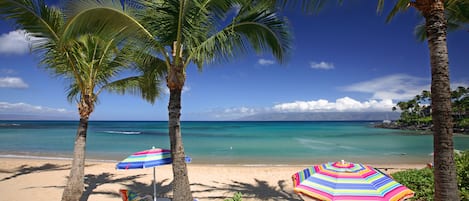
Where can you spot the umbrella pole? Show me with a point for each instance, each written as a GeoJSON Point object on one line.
{"type": "Point", "coordinates": [154, 184]}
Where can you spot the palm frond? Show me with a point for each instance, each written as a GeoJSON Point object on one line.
{"type": "Point", "coordinates": [420, 32]}
{"type": "Point", "coordinates": [255, 28]}
{"type": "Point", "coordinates": [34, 16]}
{"type": "Point", "coordinates": [161, 18]}
{"type": "Point", "coordinates": [380, 7]}
{"type": "Point", "coordinates": [151, 73]}
{"type": "Point", "coordinates": [457, 16]}
{"type": "Point", "coordinates": [73, 92]}
{"type": "Point", "coordinates": [401, 5]}
{"type": "Point", "coordinates": [149, 89]}
{"type": "Point", "coordinates": [307, 6]}
{"type": "Point", "coordinates": [106, 17]}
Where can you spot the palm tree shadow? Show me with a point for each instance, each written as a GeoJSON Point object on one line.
{"type": "Point", "coordinates": [25, 169]}
{"type": "Point", "coordinates": [93, 181]}
{"type": "Point", "coordinates": [147, 189]}
{"type": "Point", "coordinates": [260, 190]}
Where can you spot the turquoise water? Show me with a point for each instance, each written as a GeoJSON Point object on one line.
{"type": "Point", "coordinates": [227, 142]}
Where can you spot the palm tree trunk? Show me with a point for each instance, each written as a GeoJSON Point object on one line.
{"type": "Point", "coordinates": [181, 185]}
{"type": "Point", "coordinates": [75, 185]}
{"type": "Point", "coordinates": [446, 187]}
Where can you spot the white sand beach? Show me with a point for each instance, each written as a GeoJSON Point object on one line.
{"type": "Point", "coordinates": [44, 179]}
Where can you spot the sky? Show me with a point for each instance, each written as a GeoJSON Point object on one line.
{"type": "Point", "coordinates": [344, 59]}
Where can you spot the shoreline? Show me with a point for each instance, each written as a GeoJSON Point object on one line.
{"type": "Point", "coordinates": [44, 179]}
{"type": "Point", "coordinates": [396, 159]}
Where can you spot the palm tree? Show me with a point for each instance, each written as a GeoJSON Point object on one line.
{"type": "Point", "coordinates": [436, 22]}
{"type": "Point", "coordinates": [459, 98]}
{"type": "Point", "coordinates": [90, 61]}
{"type": "Point", "coordinates": [199, 32]}
{"type": "Point", "coordinates": [191, 29]}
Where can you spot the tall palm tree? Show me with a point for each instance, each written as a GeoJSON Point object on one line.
{"type": "Point", "coordinates": [434, 12]}
{"type": "Point", "coordinates": [90, 61]}
{"type": "Point", "coordinates": [194, 32]}
{"type": "Point", "coordinates": [193, 29]}
{"type": "Point", "coordinates": [198, 32]}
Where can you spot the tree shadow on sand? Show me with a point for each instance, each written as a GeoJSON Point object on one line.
{"type": "Point", "coordinates": [147, 189]}
{"type": "Point", "coordinates": [260, 190]}
{"type": "Point", "coordinates": [25, 169]}
{"type": "Point", "coordinates": [92, 182]}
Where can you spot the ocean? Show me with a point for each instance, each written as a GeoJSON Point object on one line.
{"type": "Point", "coordinates": [226, 142]}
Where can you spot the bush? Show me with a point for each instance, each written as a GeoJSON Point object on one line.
{"type": "Point", "coordinates": [462, 166]}
{"type": "Point", "coordinates": [237, 197]}
{"type": "Point", "coordinates": [463, 123]}
{"type": "Point", "coordinates": [421, 181]}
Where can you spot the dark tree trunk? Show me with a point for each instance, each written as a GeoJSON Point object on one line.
{"type": "Point", "coordinates": [181, 185]}
{"type": "Point", "coordinates": [446, 187]}
{"type": "Point", "coordinates": [75, 185]}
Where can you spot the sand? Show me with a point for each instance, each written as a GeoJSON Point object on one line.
{"type": "Point", "coordinates": [44, 180]}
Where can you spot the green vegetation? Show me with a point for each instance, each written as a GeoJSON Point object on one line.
{"type": "Point", "coordinates": [439, 16]}
{"type": "Point", "coordinates": [417, 111]}
{"type": "Point", "coordinates": [89, 61]}
{"type": "Point", "coordinates": [237, 197]}
{"type": "Point", "coordinates": [421, 181]}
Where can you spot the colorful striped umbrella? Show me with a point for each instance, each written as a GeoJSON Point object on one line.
{"type": "Point", "coordinates": [146, 159]}
{"type": "Point", "coordinates": [348, 181]}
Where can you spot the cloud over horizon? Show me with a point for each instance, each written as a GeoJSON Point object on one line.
{"type": "Point", "coordinates": [25, 108]}
{"type": "Point", "coordinates": [345, 104]}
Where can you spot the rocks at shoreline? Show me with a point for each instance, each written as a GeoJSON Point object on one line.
{"type": "Point", "coordinates": [421, 127]}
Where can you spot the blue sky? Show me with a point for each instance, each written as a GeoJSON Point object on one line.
{"type": "Point", "coordinates": [344, 59]}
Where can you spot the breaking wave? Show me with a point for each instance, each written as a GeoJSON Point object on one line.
{"type": "Point", "coordinates": [124, 132]}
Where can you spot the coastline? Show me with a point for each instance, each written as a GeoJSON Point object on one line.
{"type": "Point", "coordinates": [422, 129]}
{"type": "Point", "coordinates": [394, 159]}
{"type": "Point", "coordinates": [43, 179]}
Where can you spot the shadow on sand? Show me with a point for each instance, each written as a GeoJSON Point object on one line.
{"type": "Point", "coordinates": [93, 181]}
{"type": "Point", "coordinates": [25, 170]}
{"type": "Point", "coordinates": [260, 190]}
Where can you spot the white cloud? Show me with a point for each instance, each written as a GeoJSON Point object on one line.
{"type": "Point", "coordinates": [226, 113]}
{"type": "Point", "coordinates": [25, 108]}
{"type": "Point", "coordinates": [14, 42]}
{"type": "Point", "coordinates": [395, 87]}
{"type": "Point", "coordinates": [321, 65]}
{"type": "Point", "coordinates": [240, 110]}
{"type": "Point", "coordinates": [345, 104]}
{"type": "Point", "coordinates": [12, 82]}
{"type": "Point", "coordinates": [265, 62]}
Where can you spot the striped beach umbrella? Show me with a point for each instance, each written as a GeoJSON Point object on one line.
{"type": "Point", "coordinates": [146, 159]}
{"type": "Point", "coordinates": [348, 181]}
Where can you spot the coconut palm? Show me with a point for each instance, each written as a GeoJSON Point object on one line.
{"type": "Point", "coordinates": [194, 32]}
{"type": "Point", "coordinates": [434, 12]}
{"type": "Point", "coordinates": [89, 61]}
{"type": "Point", "coordinates": [197, 32]}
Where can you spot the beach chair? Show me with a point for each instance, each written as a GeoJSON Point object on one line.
{"type": "Point", "coordinates": [128, 195]}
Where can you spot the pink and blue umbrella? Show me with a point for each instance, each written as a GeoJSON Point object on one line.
{"type": "Point", "coordinates": [348, 181]}
{"type": "Point", "coordinates": [146, 159]}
